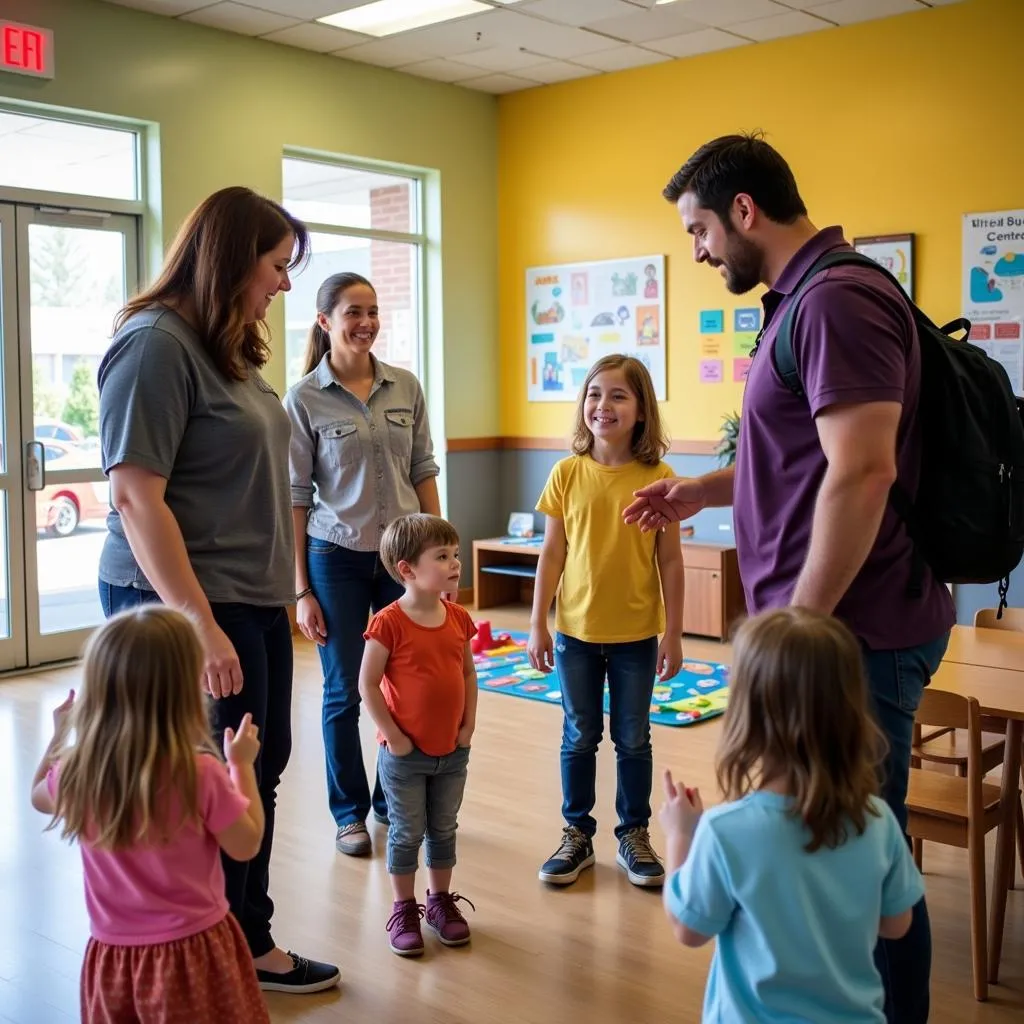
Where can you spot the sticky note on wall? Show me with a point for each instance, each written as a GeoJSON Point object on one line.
{"type": "Point", "coordinates": [712, 321]}
{"type": "Point", "coordinates": [711, 371]}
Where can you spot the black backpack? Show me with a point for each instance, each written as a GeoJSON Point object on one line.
{"type": "Point", "coordinates": [967, 519]}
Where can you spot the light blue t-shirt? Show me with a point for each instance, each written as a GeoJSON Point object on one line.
{"type": "Point", "coordinates": [796, 930]}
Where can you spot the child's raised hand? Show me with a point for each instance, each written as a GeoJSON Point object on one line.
{"type": "Point", "coordinates": [242, 747]}
{"type": "Point", "coordinates": [61, 714]}
{"type": "Point", "coordinates": [541, 649]}
{"type": "Point", "coordinates": [682, 808]}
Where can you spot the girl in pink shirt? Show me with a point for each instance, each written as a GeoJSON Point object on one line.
{"type": "Point", "coordinates": [143, 790]}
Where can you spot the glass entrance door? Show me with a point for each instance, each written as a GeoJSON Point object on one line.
{"type": "Point", "coordinates": [71, 272]}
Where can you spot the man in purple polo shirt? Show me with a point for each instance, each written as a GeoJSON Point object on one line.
{"type": "Point", "coordinates": [810, 486]}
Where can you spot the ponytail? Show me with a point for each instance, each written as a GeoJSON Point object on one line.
{"type": "Point", "coordinates": [318, 343]}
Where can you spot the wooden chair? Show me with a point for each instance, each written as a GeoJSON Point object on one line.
{"type": "Point", "coordinates": [947, 747]}
{"type": "Point", "coordinates": [958, 811]}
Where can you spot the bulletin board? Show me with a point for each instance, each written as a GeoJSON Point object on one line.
{"type": "Point", "coordinates": [578, 312]}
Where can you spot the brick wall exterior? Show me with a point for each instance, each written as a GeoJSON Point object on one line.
{"type": "Point", "coordinates": [391, 271]}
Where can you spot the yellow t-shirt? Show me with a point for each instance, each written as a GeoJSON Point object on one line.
{"type": "Point", "coordinates": [611, 590]}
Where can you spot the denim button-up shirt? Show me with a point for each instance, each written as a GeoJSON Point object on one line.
{"type": "Point", "coordinates": [356, 465]}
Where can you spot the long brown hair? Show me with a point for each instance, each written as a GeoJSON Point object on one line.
{"type": "Point", "coordinates": [140, 719]}
{"type": "Point", "coordinates": [798, 717]}
{"type": "Point", "coordinates": [211, 262]}
{"type": "Point", "coordinates": [318, 344]}
{"type": "Point", "coordinates": [650, 441]}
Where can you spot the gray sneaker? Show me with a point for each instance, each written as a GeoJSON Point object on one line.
{"type": "Point", "coordinates": [353, 840]}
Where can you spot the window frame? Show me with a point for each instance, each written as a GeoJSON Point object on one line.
{"type": "Point", "coordinates": [419, 238]}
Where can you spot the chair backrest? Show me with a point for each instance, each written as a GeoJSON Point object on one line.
{"type": "Point", "coordinates": [950, 710]}
{"type": "Point", "coordinates": [953, 710]}
{"type": "Point", "coordinates": [1012, 619]}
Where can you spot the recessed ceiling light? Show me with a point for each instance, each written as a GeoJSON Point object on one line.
{"type": "Point", "coordinates": [386, 17]}
{"type": "Point", "coordinates": [658, 3]}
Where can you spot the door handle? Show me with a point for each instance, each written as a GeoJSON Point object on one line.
{"type": "Point", "coordinates": [35, 465]}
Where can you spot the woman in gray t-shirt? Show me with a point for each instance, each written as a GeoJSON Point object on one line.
{"type": "Point", "coordinates": [195, 443]}
{"type": "Point", "coordinates": [361, 455]}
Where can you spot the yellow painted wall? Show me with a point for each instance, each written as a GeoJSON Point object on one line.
{"type": "Point", "coordinates": [890, 126]}
{"type": "Point", "coordinates": [227, 106]}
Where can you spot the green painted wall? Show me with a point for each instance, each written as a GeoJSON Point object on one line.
{"type": "Point", "coordinates": [226, 106]}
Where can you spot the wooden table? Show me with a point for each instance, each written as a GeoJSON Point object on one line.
{"type": "Point", "coordinates": [1000, 692]}
{"type": "Point", "coordinates": [993, 648]}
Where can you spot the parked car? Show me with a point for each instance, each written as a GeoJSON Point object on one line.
{"type": "Point", "coordinates": [60, 508]}
{"type": "Point", "coordinates": [57, 431]}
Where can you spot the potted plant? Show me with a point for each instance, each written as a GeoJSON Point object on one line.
{"type": "Point", "coordinates": [730, 436]}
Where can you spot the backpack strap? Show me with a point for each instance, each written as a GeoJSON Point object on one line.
{"type": "Point", "coordinates": [785, 366]}
{"type": "Point", "coordinates": [782, 352]}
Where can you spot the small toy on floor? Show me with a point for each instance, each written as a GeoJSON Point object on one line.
{"type": "Point", "coordinates": [484, 641]}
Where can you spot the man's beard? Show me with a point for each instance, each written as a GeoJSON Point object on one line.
{"type": "Point", "coordinates": [742, 262]}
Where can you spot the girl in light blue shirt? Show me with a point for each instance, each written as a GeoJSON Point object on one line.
{"type": "Point", "coordinates": [805, 867]}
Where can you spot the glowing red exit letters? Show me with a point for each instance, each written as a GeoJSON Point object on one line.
{"type": "Point", "coordinates": [26, 50]}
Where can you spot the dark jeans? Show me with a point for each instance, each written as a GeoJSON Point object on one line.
{"type": "Point", "coordinates": [630, 669]}
{"type": "Point", "coordinates": [897, 680]}
{"type": "Point", "coordinates": [348, 585]}
{"type": "Point", "coordinates": [262, 638]}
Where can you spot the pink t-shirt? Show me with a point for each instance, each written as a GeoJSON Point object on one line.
{"type": "Point", "coordinates": [152, 894]}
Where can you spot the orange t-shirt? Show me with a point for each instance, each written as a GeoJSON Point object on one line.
{"type": "Point", "coordinates": [423, 685]}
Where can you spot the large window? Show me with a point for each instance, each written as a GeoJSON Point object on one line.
{"type": "Point", "coordinates": [364, 221]}
{"type": "Point", "coordinates": [44, 154]}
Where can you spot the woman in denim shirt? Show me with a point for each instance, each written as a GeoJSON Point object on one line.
{"type": "Point", "coordinates": [361, 455]}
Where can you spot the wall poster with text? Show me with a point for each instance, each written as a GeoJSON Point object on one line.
{"type": "Point", "coordinates": [578, 312]}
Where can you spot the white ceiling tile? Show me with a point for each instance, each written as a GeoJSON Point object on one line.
{"type": "Point", "coordinates": [846, 12]}
{"type": "Point", "coordinates": [720, 13]}
{"type": "Point", "coordinates": [320, 38]}
{"type": "Point", "coordinates": [556, 71]}
{"type": "Point", "coordinates": [691, 43]}
{"type": "Point", "coordinates": [172, 8]}
{"type": "Point", "coordinates": [502, 58]}
{"type": "Point", "coordinates": [507, 28]}
{"type": "Point", "coordinates": [578, 12]}
{"type": "Point", "coordinates": [498, 83]}
{"type": "Point", "coordinates": [440, 70]}
{"type": "Point", "coordinates": [621, 58]}
{"type": "Point", "coordinates": [304, 10]}
{"type": "Point", "coordinates": [389, 53]}
{"type": "Point", "coordinates": [238, 18]}
{"type": "Point", "coordinates": [793, 24]}
{"type": "Point", "coordinates": [642, 26]}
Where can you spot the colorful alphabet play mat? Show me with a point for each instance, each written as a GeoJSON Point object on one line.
{"type": "Point", "coordinates": [699, 691]}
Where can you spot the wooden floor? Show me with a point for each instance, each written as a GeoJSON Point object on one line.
{"type": "Point", "coordinates": [599, 952]}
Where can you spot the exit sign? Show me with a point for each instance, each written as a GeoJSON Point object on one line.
{"type": "Point", "coordinates": [26, 50]}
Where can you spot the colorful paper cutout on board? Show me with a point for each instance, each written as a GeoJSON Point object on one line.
{"type": "Point", "coordinates": [712, 321]}
{"type": "Point", "coordinates": [580, 290]}
{"type": "Point", "coordinates": [711, 371]}
{"type": "Point", "coordinates": [711, 346]}
{"type": "Point", "coordinates": [743, 343]}
{"type": "Point", "coordinates": [648, 329]}
{"type": "Point", "coordinates": [746, 320]}
{"type": "Point", "coordinates": [740, 369]}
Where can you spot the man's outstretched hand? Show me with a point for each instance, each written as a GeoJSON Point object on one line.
{"type": "Point", "coordinates": [664, 502]}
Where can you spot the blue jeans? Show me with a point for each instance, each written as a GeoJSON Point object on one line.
{"type": "Point", "coordinates": [348, 585]}
{"type": "Point", "coordinates": [630, 669]}
{"type": "Point", "coordinates": [262, 638]}
{"type": "Point", "coordinates": [897, 680]}
{"type": "Point", "coordinates": [424, 796]}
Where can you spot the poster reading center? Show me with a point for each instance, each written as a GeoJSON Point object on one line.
{"type": "Point", "coordinates": [578, 312]}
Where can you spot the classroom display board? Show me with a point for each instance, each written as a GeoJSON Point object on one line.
{"type": "Point", "coordinates": [993, 287]}
{"type": "Point", "coordinates": [578, 312]}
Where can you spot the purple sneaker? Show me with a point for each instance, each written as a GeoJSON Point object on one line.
{"type": "Point", "coordinates": [443, 917]}
{"type": "Point", "coordinates": [404, 935]}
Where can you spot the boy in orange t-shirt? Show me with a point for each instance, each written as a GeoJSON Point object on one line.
{"type": "Point", "coordinates": [418, 682]}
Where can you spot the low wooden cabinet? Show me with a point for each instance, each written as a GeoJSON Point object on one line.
{"type": "Point", "coordinates": [714, 595]}
{"type": "Point", "coordinates": [504, 573]}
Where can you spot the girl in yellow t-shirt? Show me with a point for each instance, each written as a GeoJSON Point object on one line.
{"type": "Point", "coordinates": [619, 589]}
